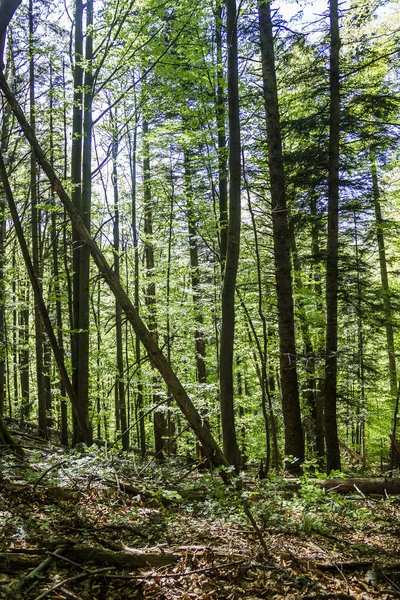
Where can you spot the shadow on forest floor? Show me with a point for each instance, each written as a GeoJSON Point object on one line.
{"type": "Point", "coordinates": [85, 525]}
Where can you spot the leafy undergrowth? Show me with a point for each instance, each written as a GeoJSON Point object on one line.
{"type": "Point", "coordinates": [88, 524]}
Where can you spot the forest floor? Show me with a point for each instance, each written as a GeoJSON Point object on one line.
{"type": "Point", "coordinates": [90, 525]}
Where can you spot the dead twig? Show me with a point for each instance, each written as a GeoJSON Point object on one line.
{"type": "Point", "coordinates": [62, 583]}
{"type": "Point", "coordinates": [43, 475]}
{"type": "Point", "coordinates": [34, 575]}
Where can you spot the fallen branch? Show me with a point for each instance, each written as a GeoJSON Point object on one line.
{"type": "Point", "coordinates": [33, 576]}
{"type": "Point", "coordinates": [365, 485]}
{"type": "Point", "coordinates": [138, 559]}
{"type": "Point", "coordinates": [60, 584]}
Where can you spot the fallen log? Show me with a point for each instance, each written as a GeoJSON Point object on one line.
{"type": "Point", "coordinates": [134, 559]}
{"type": "Point", "coordinates": [363, 485]}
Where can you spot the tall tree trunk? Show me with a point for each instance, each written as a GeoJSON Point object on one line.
{"type": "Point", "coordinates": [311, 391]}
{"type": "Point", "coordinates": [83, 294]}
{"type": "Point", "coordinates": [266, 399]}
{"type": "Point", "coordinates": [35, 219]}
{"type": "Point", "coordinates": [76, 196]}
{"type": "Point", "coordinates": [120, 383]}
{"type": "Point", "coordinates": [361, 366]}
{"type": "Point", "coordinates": [294, 439]}
{"type": "Point", "coordinates": [231, 449]}
{"type": "Point", "coordinates": [199, 341]}
{"type": "Point", "coordinates": [160, 425]}
{"type": "Point", "coordinates": [156, 356]}
{"type": "Point", "coordinates": [200, 345]}
{"type": "Point", "coordinates": [139, 400]}
{"type": "Point", "coordinates": [222, 150]}
{"type": "Point", "coordinates": [331, 433]}
{"type": "Point", "coordinates": [56, 278]}
{"type": "Point", "coordinates": [3, 204]}
{"type": "Point", "coordinates": [315, 251]}
{"type": "Point", "coordinates": [24, 353]}
{"type": "Point", "coordinates": [387, 303]}
{"type": "Point", "coordinates": [171, 429]}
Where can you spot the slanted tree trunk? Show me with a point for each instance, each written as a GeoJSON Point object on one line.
{"type": "Point", "coordinates": [386, 295]}
{"type": "Point", "coordinates": [294, 439]}
{"type": "Point", "coordinates": [3, 204]}
{"type": "Point", "coordinates": [187, 407]}
{"type": "Point", "coordinates": [231, 449]}
{"type": "Point", "coordinates": [331, 433]}
{"type": "Point", "coordinates": [7, 9]}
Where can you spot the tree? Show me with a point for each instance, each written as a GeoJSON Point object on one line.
{"type": "Point", "coordinates": [233, 246]}
{"type": "Point", "coordinates": [35, 218]}
{"type": "Point", "coordinates": [294, 440]}
{"type": "Point", "coordinates": [330, 392]}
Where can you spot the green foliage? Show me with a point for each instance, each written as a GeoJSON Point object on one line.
{"type": "Point", "coordinates": [160, 61]}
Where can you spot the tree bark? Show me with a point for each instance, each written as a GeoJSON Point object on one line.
{"type": "Point", "coordinates": [83, 292]}
{"type": "Point", "coordinates": [266, 398]}
{"type": "Point", "coordinates": [57, 288]}
{"type": "Point", "coordinates": [331, 433]}
{"type": "Point", "coordinates": [139, 403]}
{"type": "Point", "coordinates": [120, 383]}
{"type": "Point", "coordinates": [387, 303]}
{"type": "Point", "coordinates": [294, 439]}
{"type": "Point", "coordinates": [199, 341]}
{"type": "Point", "coordinates": [233, 246]}
{"type": "Point", "coordinates": [222, 150]}
{"type": "Point", "coordinates": [200, 345]}
{"type": "Point", "coordinates": [35, 219]}
{"type": "Point", "coordinates": [160, 425]}
{"type": "Point", "coordinates": [76, 197]}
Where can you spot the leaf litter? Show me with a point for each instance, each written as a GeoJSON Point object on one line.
{"type": "Point", "coordinates": [83, 524]}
